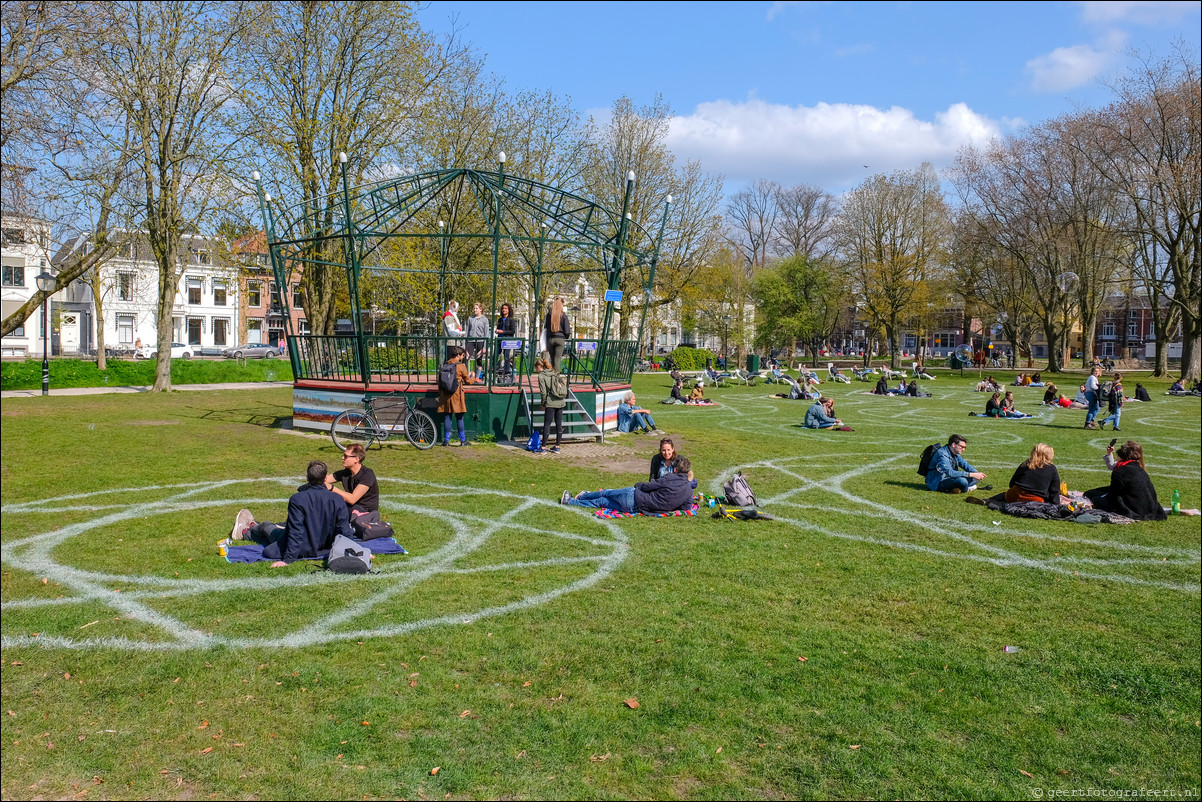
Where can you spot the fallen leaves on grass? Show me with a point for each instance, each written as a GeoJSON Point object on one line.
{"type": "Point", "coordinates": [435, 770]}
{"type": "Point", "coordinates": [206, 750]}
{"type": "Point", "coordinates": [203, 725]}
{"type": "Point", "coordinates": [599, 758]}
{"type": "Point", "coordinates": [1026, 774]}
{"type": "Point", "coordinates": [632, 703]}
{"type": "Point", "coordinates": [854, 746]}
{"type": "Point", "coordinates": [465, 714]}
{"type": "Point", "coordinates": [802, 659]}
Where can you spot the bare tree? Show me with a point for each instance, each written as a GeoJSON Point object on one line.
{"type": "Point", "coordinates": [805, 220]}
{"type": "Point", "coordinates": [1148, 145]}
{"type": "Point", "coordinates": [753, 213]}
{"type": "Point", "coordinates": [165, 67]}
{"type": "Point", "coordinates": [893, 235]}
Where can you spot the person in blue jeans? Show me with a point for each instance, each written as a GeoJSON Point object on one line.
{"type": "Point", "coordinates": [1115, 403]}
{"type": "Point", "coordinates": [632, 418]}
{"type": "Point", "coordinates": [1092, 393]}
{"type": "Point", "coordinates": [670, 492]}
{"type": "Point", "coordinates": [949, 471]}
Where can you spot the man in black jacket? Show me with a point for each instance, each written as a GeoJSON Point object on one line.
{"type": "Point", "coordinates": [315, 516]}
{"type": "Point", "coordinates": [670, 492]}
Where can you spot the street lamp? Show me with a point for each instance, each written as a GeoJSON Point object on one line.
{"type": "Point", "coordinates": [46, 284]}
{"type": "Point", "coordinates": [725, 349]}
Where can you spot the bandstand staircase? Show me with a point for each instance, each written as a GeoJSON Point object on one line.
{"type": "Point", "coordinates": [578, 424]}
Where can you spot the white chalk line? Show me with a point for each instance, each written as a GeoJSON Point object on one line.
{"type": "Point", "coordinates": [33, 554]}
{"type": "Point", "coordinates": [993, 554]}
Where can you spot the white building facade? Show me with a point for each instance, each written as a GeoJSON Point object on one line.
{"type": "Point", "coordinates": [23, 244]}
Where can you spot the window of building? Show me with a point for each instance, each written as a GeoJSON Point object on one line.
{"type": "Point", "coordinates": [274, 292]}
{"type": "Point", "coordinates": [203, 258]}
{"type": "Point", "coordinates": [221, 328]}
{"type": "Point", "coordinates": [125, 329]}
{"type": "Point", "coordinates": [1108, 328]}
{"type": "Point", "coordinates": [1133, 328]}
{"type": "Point", "coordinates": [14, 272]}
{"type": "Point", "coordinates": [298, 297]}
{"type": "Point", "coordinates": [1152, 330]}
{"type": "Point", "coordinates": [254, 293]}
{"type": "Point", "coordinates": [218, 293]}
{"type": "Point", "coordinates": [254, 331]}
{"type": "Point", "coordinates": [14, 236]}
{"type": "Point", "coordinates": [195, 328]}
{"type": "Point", "coordinates": [125, 286]}
{"type": "Point", "coordinates": [1108, 349]}
{"type": "Point", "coordinates": [129, 250]}
{"type": "Point", "coordinates": [194, 287]}
{"type": "Point", "coordinates": [263, 259]}
{"type": "Point", "coordinates": [303, 327]}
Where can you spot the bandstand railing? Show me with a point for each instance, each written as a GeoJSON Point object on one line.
{"type": "Point", "coordinates": [414, 359]}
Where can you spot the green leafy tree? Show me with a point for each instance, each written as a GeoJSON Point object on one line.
{"type": "Point", "coordinates": [798, 300]}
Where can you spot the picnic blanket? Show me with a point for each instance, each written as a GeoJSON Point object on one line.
{"type": "Point", "coordinates": [604, 512]}
{"type": "Point", "coordinates": [1053, 512]}
{"type": "Point", "coordinates": [253, 552]}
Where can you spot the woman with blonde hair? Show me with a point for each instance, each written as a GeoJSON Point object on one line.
{"type": "Point", "coordinates": [1036, 479]}
{"type": "Point", "coordinates": [558, 330]}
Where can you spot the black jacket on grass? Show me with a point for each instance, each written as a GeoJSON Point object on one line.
{"type": "Point", "coordinates": [1130, 494]}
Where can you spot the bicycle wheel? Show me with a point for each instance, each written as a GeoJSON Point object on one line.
{"type": "Point", "coordinates": [420, 429]}
{"type": "Point", "coordinates": [354, 426]}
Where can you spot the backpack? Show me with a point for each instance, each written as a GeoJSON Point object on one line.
{"type": "Point", "coordinates": [737, 491]}
{"type": "Point", "coordinates": [924, 462]}
{"type": "Point", "coordinates": [535, 442]}
{"type": "Point", "coordinates": [559, 387]}
{"type": "Point", "coordinates": [448, 378]}
{"type": "Point", "coordinates": [348, 557]}
{"type": "Point", "coordinates": [370, 530]}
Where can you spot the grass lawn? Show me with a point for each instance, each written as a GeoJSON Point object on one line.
{"type": "Point", "coordinates": [27, 374]}
{"type": "Point", "coordinates": [852, 648]}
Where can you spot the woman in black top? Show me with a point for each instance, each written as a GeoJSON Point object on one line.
{"type": "Point", "coordinates": [993, 407]}
{"type": "Point", "coordinates": [1036, 479]}
{"type": "Point", "coordinates": [882, 387]}
{"type": "Point", "coordinates": [559, 331]}
{"type": "Point", "coordinates": [506, 327]}
{"type": "Point", "coordinates": [1131, 493]}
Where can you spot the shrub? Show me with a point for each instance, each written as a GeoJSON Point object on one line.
{"type": "Point", "coordinates": [688, 358]}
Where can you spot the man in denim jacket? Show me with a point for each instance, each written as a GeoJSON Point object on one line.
{"type": "Point", "coordinates": [949, 471]}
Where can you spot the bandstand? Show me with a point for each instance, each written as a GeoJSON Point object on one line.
{"type": "Point", "coordinates": [406, 247]}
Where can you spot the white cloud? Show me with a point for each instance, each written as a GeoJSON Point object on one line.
{"type": "Point", "coordinates": [833, 145]}
{"type": "Point", "coordinates": [1167, 12]}
{"type": "Point", "coordinates": [1069, 67]}
{"type": "Point", "coordinates": [854, 50]}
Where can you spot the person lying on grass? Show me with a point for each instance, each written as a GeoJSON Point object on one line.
{"type": "Point", "coordinates": [669, 493]}
{"type": "Point", "coordinates": [315, 516]}
{"type": "Point", "coordinates": [950, 472]}
{"type": "Point", "coordinates": [821, 415]}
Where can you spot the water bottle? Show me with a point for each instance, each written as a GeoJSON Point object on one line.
{"type": "Point", "coordinates": [1176, 505]}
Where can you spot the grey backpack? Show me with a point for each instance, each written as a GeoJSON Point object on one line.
{"type": "Point", "coordinates": [738, 492]}
{"type": "Point", "coordinates": [348, 557]}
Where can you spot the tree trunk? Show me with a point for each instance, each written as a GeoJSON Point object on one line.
{"type": "Point", "coordinates": [98, 306]}
{"type": "Point", "coordinates": [1191, 349]}
{"type": "Point", "coordinates": [167, 286]}
{"type": "Point", "coordinates": [1055, 347]}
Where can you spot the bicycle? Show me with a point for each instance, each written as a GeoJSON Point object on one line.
{"type": "Point", "coordinates": [381, 418]}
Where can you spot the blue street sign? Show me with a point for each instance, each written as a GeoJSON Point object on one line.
{"type": "Point", "coordinates": [614, 296]}
{"type": "Point", "coordinates": [507, 344]}
{"type": "Point", "coordinates": [586, 346]}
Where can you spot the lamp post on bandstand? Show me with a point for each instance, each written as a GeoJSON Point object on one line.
{"type": "Point", "coordinates": [46, 284]}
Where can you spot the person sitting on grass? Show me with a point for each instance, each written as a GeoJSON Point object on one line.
{"type": "Point", "coordinates": [1008, 410]}
{"type": "Point", "coordinates": [1177, 386]}
{"type": "Point", "coordinates": [882, 387]}
{"type": "Point", "coordinates": [1141, 393]}
{"type": "Point", "coordinates": [664, 462]}
{"type": "Point", "coordinates": [821, 415]}
{"type": "Point", "coordinates": [698, 394]}
{"type": "Point", "coordinates": [357, 485]}
{"type": "Point", "coordinates": [1050, 394]}
{"type": "Point", "coordinates": [1036, 479]}
{"type": "Point", "coordinates": [670, 492]}
{"type": "Point", "coordinates": [677, 396]}
{"type": "Point", "coordinates": [993, 407]}
{"type": "Point", "coordinates": [1131, 492]}
{"type": "Point", "coordinates": [632, 417]}
{"type": "Point", "coordinates": [315, 517]}
{"type": "Point", "coordinates": [949, 471]}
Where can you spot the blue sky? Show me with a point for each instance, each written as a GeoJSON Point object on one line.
{"type": "Point", "coordinates": [820, 92]}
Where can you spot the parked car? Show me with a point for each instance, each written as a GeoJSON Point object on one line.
{"type": "Point", "coordinates": [251, 351]}
{"type": "Point", "coordinates": [178, 351]}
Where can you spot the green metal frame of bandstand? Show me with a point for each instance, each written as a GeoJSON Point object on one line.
{"type": "Point", "coordinates": [528, 215]}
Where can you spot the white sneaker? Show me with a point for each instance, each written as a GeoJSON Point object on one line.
{"type": "Point", "coordinates": [970, 488]}
{"type": "Point", "coordinates": [243, 521]}
{"type": "Point", "coordinates": [565, 497]}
